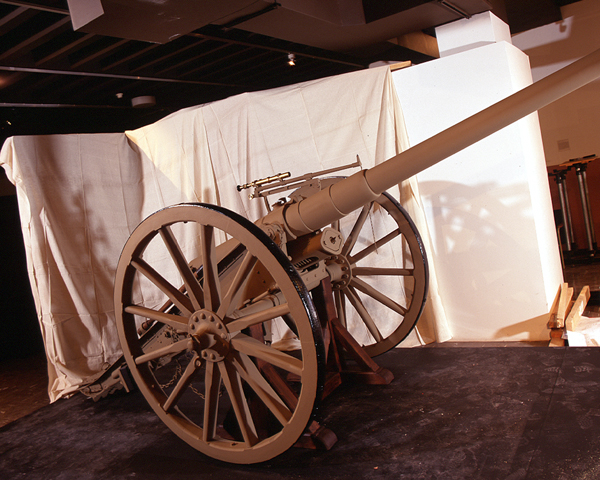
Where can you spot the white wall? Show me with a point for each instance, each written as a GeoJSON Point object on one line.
{"type": "Point", "coordinates": [570, 126]}
{"type": "Point", "coordinates": [488, 207]}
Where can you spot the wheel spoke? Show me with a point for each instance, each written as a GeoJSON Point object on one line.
{"type": "Point", "coordinates": [176, 321]}
{"type": "Point", "coordinates": [340, 306]}
{"type": "Point", "coordinates": [177, 297]}
{"type": "Point", "coordinates": [356, 228]}
{"type": "Point", "coordinates": [189, 279]}
{"type": "Point", "coordinates": [236, 288]}
{"type": "Point", "coordinates": [252, 376]}
{"type": "Point", "coordinates": [211, 284]}
{"type": "Point", "coordinates": [233, 384]}
{"type": "Point", "coordinates": [377, 295]}
{"type": "Point", "coordinates": [374, 246]}
{"type": "Point", "coordinates": [253, 348]}
{"type": "Point", "coordinates": [363, 313]}
{"type": "Point", "coordinates": [174, 348]}
{"type": "Point", "coordinates": [212, 382]}
{"type": "Point", "coordinates": [258, 317]}
{"type": "Point", "coordinates": [398, 272]}
{"type": "Point", "coordinates": [182, 384]}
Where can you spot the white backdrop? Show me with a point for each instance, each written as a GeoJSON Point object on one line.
{"type": "Point", "coordinates": [488, 207]}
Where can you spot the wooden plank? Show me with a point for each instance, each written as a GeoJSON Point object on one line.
{"type": "Point", "coordinates": [399, 66]}
{"type": "Point", "coordinates": [566, 293]}
{"type": "Point", "coordinates": [556, 338]}
{"type": "Point", "coordinates": [577, 309]}
{"type": "Point", "coordinates": [554, 309]}
{"type": "Point", "coordinates": [420, 42]}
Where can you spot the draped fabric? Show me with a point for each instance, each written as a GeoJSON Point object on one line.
{"type": "Point", "coordinates": [80, 196]}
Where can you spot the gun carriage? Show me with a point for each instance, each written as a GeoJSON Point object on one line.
{"type": "Point", "coordinates": [234, 344]}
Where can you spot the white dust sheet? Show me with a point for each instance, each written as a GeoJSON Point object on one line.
{"type": "Point", "coordinates": [80, 196]}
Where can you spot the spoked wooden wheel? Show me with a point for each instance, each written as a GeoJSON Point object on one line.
{"type": "Point", "coordinates": [207, 356]}
{"type": "Point", "coordinates": [382, 288]}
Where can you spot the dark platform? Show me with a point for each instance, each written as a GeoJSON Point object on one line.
{"type": "Point", "coordinates": [451, 413]}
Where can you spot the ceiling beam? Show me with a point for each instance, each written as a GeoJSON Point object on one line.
{"type": "Point", "coordinates": [34, 38]}
{"type": "Point", "coordinates": [36, 6]}
{"type": "Point", "coordinates": [99, 53]}
{"type": "Point", "coordinates": [48, 71]}
{"type": "Point", "coordinates": [64, 50]}
{"type": "Point", "coordinates": [213, 32]}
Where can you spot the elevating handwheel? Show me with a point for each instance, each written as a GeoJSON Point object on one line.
{"type": "Point", "coordinates": [219, 332]}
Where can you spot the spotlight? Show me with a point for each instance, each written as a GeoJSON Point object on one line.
{"type": "Point", "coordinates": [291, 59]}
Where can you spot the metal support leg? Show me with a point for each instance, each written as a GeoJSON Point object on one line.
{"type": "Point", "coordinates": [560, 178]}
{"type": "Point", "coordinates": [589, 207]}
{"type": "Point", "coordinates": [585, 205]}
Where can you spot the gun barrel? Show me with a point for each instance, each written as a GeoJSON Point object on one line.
{"type": "Point", "coordinates": [342, 198]}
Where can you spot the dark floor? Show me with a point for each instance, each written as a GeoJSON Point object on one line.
{"type": "Point", "coordinates": [23, 387]}
{"type": "Point", "coordinates": [463, 412]}
{"type": "Point", "coordinates": [450, 413]}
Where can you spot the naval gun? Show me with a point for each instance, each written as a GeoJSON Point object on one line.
{"type": "Point", "coordinates": [233, 331]}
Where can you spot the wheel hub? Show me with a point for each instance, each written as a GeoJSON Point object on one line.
{"type": "Point", "coordinates": [211, 338]}
{"type": "Point", "coordinates": [340, 271]}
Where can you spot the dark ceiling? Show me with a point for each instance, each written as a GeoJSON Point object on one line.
{"type": "Point", "coordinates": [54, 79]}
